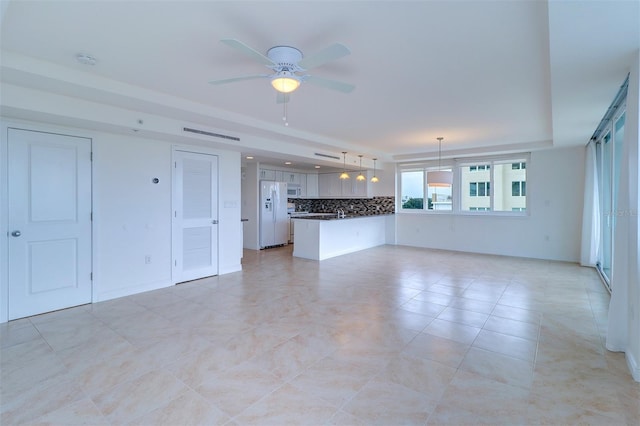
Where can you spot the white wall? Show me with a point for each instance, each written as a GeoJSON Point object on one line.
{"type": "Point", "coordinates": [625, 279]}
{"type": "Point", "coordinates": [551, 230]}
{"type": "Point", "coordinates": [632, 131]}
{"type": "Point", "coordinates": [132, 216]}
{"type": "Point", "coordinates": [251, 232]}
{"type": "Point", "coordinates": [230, 229]}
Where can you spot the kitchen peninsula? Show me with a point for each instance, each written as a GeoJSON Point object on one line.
{"type": "Point", "coordinates": [323, 237]}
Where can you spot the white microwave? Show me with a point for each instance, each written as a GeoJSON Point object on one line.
{"type": "Point", "coordinates": [293, 190]}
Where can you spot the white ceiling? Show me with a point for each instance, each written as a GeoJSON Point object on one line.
{"type": "Point", "coordinates": [488, 76]}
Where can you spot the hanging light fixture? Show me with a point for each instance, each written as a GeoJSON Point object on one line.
{"type": "Point", "coordinates": [374, 179]}
{"type": "Point", "coordinates": [360, 175]}
{"type": "Point", "coordinates": [440, 178]}
{"type": "Point", "coordinates": [344, 174]}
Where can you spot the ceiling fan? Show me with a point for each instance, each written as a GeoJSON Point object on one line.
{"type": "Point", "coordinates": [289, 65]}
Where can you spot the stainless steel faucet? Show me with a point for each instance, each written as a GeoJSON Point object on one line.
{"type": "Point", "coordinates": [341, 214]}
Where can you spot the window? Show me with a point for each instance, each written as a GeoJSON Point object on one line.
{"type": "Point", "coordinates": [412, 183]}
{"type": "Point", "coordinates": [479, 189]}
{"type": "Point", "coordinates": [415, 189]}
{"type": "Point", "coordinates": [491, 186]}
{"type": "Point", "coordinates": [439, 197]}
{"type": "Point", "coordinates": [496, 185]}
{"type": "Point", "coordinates": [510, 180]}
{"type": "Point", "coordinates": [518, 189]}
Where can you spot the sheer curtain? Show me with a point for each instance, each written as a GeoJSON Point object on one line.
{"type": "Point", "coordinates": [591, 211]}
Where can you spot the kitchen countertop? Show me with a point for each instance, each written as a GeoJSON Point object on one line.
{"type": "Point", "coordinates": [334, 216]}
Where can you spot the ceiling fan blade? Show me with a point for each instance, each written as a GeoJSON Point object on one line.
{"type": "Point", "coordinates": [331, 84]}
{"type": "Point", "coordinates": [331, 53]}
{"type": "Point", "coordinates": [234, 79]}
{"type": "Point", "coordinates": [248, 51]}
{"type": "Point", "coordinates": [282, 98]}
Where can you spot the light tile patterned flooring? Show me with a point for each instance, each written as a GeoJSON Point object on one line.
{"type": "Point", "coordinates": [391, 335]}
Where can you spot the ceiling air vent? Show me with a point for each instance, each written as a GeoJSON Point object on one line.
{"type": "Point", "coordinates": [326, 156]}
{"type": "Point", "coordinates": [215, 135]}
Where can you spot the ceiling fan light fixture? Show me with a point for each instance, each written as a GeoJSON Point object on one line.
{"type": "Point", "coordinates": [285, 82]}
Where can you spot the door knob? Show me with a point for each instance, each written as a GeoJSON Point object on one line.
{"type": "Point", "coordinates": [16, 233]}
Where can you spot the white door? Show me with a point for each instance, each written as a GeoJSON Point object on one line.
{"type": "Point", "coordinates": [49, 194]}
{"type": "Point", "coordinates": [195, 216]}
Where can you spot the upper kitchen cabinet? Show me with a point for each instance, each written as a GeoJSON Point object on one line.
{"type": "Point", "coordinates": [330, 186]}
{"type": "Point", "coordinates": [311, 189]}
{"type": "Point", "coordinates": [292, 177]}
{"type": "Point", "coordinates": [266, 174]}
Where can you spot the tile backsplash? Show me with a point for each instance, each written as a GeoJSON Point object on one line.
{"type": "Point", "coordinates": [354, 206]}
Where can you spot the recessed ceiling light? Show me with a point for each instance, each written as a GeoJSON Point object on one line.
{"type": "Point", "coordinates": [287, 162]}
{"type": "Point", "coordinates": [317, 167]}
{"type": "Point", "coordinates": [249, 157]}
{"type": "Point", "coordinates": [86, 59]}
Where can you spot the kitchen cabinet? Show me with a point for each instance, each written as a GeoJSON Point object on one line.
{"type": "Point", "coordinates": [266, 174]}
{"type": "Point", "coordinates": [359, 187]}
{"type": "Point", "coordinates": [292, 177]}
{"type": "Point", "coordinates": [330, 185]}
{"type": "Point", "coordinates": [312, 185]}
{"type": "Point", "coordinates": [320, 239]}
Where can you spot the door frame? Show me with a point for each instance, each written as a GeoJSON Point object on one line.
{"type": "Point", "coordinates": [195, 150]}
{"type": "Point", "coordinates": [5, 125]}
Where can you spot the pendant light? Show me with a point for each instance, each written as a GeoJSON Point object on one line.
{"type": "Point", "coordinates": [360, 175]}
{"type": "Point", "coordinates": [344, 174]}
{"type": "Point", "coordinates": [374, 179]}
{"type": "Point", "coordinates": [440, 178]}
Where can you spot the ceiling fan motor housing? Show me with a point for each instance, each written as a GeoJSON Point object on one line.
{"type": "Point", "coordinates": [286, 58]}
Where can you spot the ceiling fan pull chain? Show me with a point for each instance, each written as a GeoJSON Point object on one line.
{"type": "Point", "coordinates": [284, 114]}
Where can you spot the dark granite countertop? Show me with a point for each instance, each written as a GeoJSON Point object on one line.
{"type": "Point", "coordinates": [334, 216]}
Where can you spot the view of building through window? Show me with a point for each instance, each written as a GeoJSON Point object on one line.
{"type": "Point", "coordinates": [499, 186]}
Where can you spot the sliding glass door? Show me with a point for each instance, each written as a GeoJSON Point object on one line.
{"type": "Point", "coordinates": [609, 154]}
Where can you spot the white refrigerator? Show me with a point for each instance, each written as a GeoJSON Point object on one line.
{"type": "Point", "coordinates": [274, 220]}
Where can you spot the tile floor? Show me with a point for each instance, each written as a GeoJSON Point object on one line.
{"type": "Point", "coordinates": [391, 335]}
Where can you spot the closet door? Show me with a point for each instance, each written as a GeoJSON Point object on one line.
{"type": "Point", "coordinates": [195, 216]}
{"type": "Point", "coordinates": [49, 196]}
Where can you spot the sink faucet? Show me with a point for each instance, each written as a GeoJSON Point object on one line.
{"type": "Point", "coordinates": [341, 214]}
